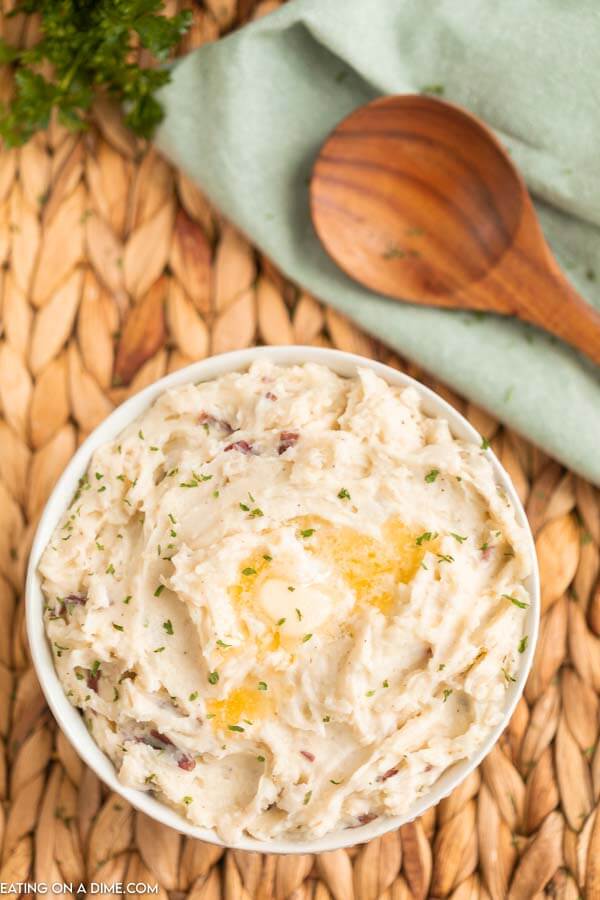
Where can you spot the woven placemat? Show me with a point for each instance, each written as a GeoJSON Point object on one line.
{"type": "Point", "coordinates": [115, 271]}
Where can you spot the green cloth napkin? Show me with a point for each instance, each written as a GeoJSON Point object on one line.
{"type": "Point", "coordinates": [246, 116]}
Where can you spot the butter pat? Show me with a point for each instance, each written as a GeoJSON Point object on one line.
{"type": "Point", "coordinates": [303, 608]}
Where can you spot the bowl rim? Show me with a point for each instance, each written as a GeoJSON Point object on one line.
{"type": "Point", "coordinates": [70, 720]}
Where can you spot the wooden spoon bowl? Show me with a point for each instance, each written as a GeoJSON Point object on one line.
{"type": "Point", "coordinates": [416, 199]}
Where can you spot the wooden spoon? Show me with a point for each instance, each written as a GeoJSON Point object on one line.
{"type": "Point", "coordinates": [416, 199]}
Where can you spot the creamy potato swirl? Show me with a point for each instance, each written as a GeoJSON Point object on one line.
{"type": "Point", "coordinates": [286, 601]}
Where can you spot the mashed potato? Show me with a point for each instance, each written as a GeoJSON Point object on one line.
{"type": "Point", "coordinates": [286, 601]}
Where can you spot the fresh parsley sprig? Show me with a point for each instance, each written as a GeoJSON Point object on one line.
{"type": "Point", "coordinates": [86, 46]}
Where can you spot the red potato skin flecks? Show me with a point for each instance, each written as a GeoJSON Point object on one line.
{"type": "Point", "coordinates": [242, 446]}
{"type": "Point", "coordinates": [364, 820]}
{"type": "Point", "coordinates": [92, 681]}
{"type": "Point", "coordinates": [185, 762]}
{"type": "Point", "coordinates": [161, 738]}
{"type": "Point", "coordinates": [206, 419]}
{"type": "Point", "coordinates": [287, 439]}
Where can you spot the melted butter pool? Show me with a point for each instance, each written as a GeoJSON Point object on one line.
{"type": "Point", "coordinates": [371, 567]}
{"type": "Point", "coordinates": [242, 706]}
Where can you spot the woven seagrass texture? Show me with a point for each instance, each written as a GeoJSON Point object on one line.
{"type": "Point", "coordinates": [116, 270]}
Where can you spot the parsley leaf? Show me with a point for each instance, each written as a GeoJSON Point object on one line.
{"type": "Point", "coordinates": [85, 47]}
{"type": "Point", "coordinates": [520, 603]}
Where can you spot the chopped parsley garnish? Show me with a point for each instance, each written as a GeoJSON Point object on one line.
{"type": "Point", "coordinates": [95, 666]}
{"type": "Point", "coordinates": [213, 677]}
{"type": "Point", "coordinates": [187, 800]}
{"type": "Point", "coordinates": [431, 476]}
{"type": "Point", "coordinates": [159, 590]}
{"type": "Point", "coordinates": [127, 599]}
{"type": "Point", "coordinates": [115, 695]}
{"type": "Point", "coordinates": [235, 728]}
{"type": "Point", "coordinates": [520, 603]}
{"type": "Point", "coordinates": [248, 571]}
{"type": "Point", "coordinates": [370, 693]}
{"type": "Point", "coordinates": [485, 546]}
{"type": "Point", "coordinates": [343, 494]}
{"type": "Point", "coordinates": [326, 719]}
{"type": "Point", "coordinates": [221, 643]}
{"type": "Point", "coordinates": [308, 532]}
{"type": "Point", "coordinates": [426, 536]}
{"type": "Point", "coordinates": [267, 557]}
{"type": "Point", "coordinates": [99, 476]}
{"type": "Point", "coordinates": [298, 614]}
{"type": "Point", "coordinates": [281, 622]}
{"type": "Point", "coordinates": [168, 626]}
{"type": "Point", "coordinates": [117, 627]}
{"type": "Point", "coordinates": [193, 696]}
{"type": "Point", "coordinates": [291, 588]}
{"type": "Point", "coordinates": [386, 684]}
{"type": "Point", "coordinates": [173, 519]}
{"type": "Point", "coordinates": [306, 638]}
{"type": "Point", "coordinates": [458, 537]}
{"type": "Point", "coordinates": [523, 644]}
{"type": "Point", "coordinates": [261, 758]}
{"type": "Point", "coordinates": [447, 693]}
{"type": "Point", "coordinates": [445, 557]}
{"type": "Point", "coordinates": [154, 449]}
{"type": "Point", "coordinates": [437, 89]}
{"type": "Point", "coordinates": [307, 797]}
{"type": "Point", "coordinates": [110, 569]}
{"type": "Point", "coordinates": [159, 650]}
{"type": "Point", "coordinates": [99, 545]}
{"type": "Point", "coordinates": [393, 252]}
{"type": "Point", "coordinates": [141, 435]}
{"type": "Point", "coordinates": [441, 667]}
{"type": "Point", "coordinates": [262, 685]}
{"type": "Point", "coordinates": [508, 676]}
{"type": "Point", "coordinates": [195, 480]}
{"type": "Point", "coordinates": [485, 444]}
{"type": "Point", "coordinates": [333, 781]}
{"type": "Point", "coordinates": [244, 507]}
{"type": "Point", "coordinates": [256, 513]}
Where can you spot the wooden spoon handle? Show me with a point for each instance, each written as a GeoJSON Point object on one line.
{"type": "Point", "coordinates": [529, 284]}
{"type": "Point", "coordinates": [559, 309]}
{"type": "Point", "coordinates": [566, 315]}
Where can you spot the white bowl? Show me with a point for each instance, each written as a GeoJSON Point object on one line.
{"type": "Point", "coordinates": [69, 718]}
